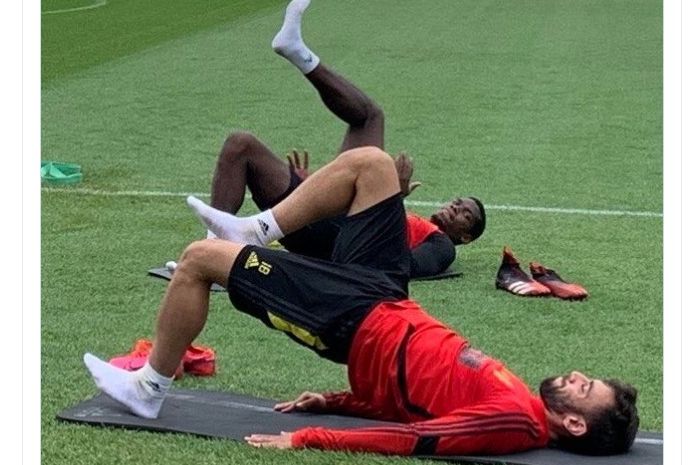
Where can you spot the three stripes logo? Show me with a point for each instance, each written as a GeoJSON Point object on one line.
{"type": "Point", "coordinates": [153, 385]}
{"type": "Point", "coordinates": [254, 262]}
{"type": "Point", "coordinates": [520, 287]}
{"type": "Point", "coordinates": [533, 288]}
{"type": "Point", "coordinates": [263, 226]}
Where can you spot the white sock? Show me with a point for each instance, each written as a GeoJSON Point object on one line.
{"type": "Point", "coordinates": [210, 235]}
{"type": "Point", "coordinates": [259, 229]}
{"type": "Point", "coordinates": [153, 382]}
{"type": "Point", "coordinates": [141, 391]}
{"type": "Point", "coordinates": [288, 41]}
{"type": "Point", "coordinates": [267, 228]}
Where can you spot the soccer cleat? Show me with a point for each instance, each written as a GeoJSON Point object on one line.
{"type": "Point", "coordinates": [512, 279]}
{"type": "Point", "coordinates": [138, 357]}
{"type": "Point", "coordinates": [198, 360]}
{"type": "Point", "coordinates": [559, 287]}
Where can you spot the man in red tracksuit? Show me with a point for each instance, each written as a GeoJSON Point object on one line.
{"type": "Point", "coordinates": [407, 367]}
{"type": "Point", "coordinates": [403, 365]}
{"type": "Point", "coordinates": [246, 162]}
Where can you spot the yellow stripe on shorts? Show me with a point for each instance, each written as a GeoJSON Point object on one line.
{"type": "Point", "coordinates": [303, 335]}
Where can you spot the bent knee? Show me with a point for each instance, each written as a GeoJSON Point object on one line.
{"type": "Point", "coordinates": [238, 144]}
{"type": "Point", "coordinates": [368, 157]}
{"type": "Point", "coordinates": [375, 115]}
{"type": "Point", "coordinates": [367, 115]}
{"type": "Point", "coordinates": [194, 256]}
{"type": "Point", "coordinates": [209, 259]}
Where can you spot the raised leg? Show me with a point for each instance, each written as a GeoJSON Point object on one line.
{"type": "Point", "coordinates": [354, 181]}
{"type": "Point", "coordinates": [364, 118]}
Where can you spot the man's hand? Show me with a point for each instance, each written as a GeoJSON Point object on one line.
{"type": "Point", "coordinates": [404, 168]}
{"type": "Point", "coordinates": [299, 167]}
{"type": "Point", "coordinates": [277, 441]}
{"type": "Point", "coordinates": [306, 402]}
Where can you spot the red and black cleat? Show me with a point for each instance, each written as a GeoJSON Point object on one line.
{"type": "Point", "coordinates": [559, 287]}
{"type": "Point", "coordinates": [512, 279]}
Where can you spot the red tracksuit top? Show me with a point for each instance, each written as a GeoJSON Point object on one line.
{"type": "Point", "coordinates": [418, 229]}
{"type": "Point", "coordinates": [404, 366]}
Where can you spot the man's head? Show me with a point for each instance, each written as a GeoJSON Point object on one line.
{"type": "Point", "coordinates": [590, 416]}
{"type": "Point", "coordinates": [463, 219]}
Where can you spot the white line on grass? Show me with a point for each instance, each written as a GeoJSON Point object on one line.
{"type": "Point", "coordinates": [411, 203]}
{"type": "Point", "coordinates": [95, 4]}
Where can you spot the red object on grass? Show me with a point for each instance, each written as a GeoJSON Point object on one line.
{"type": "Point", "coordinates": [198, 360]}
{"type": "Point", "coordinates": [559, 287]}
{"type": "Point", "coordinates": [511, 278]}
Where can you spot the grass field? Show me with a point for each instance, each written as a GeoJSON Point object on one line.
{"type": "Point", "coordinates": [555, 105]}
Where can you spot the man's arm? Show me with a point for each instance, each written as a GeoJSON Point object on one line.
{"type": "Point", "coordinates": [345, 403]}
{"type": "Point", "coordinates": [339, 403]}
{"type": "Point", "coordinates": [433, 256]}
{"type": "Point", "coordinates": [404, 168]}
{"type": "Point", "coordinates": [466, 433]}
{"type": "Point", "coordinates": [295, 164]}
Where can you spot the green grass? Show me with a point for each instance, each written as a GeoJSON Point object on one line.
{"type": "Point", "coordinates": [544, 103]}
{"type": "Point", "coordinates": [74, 41]}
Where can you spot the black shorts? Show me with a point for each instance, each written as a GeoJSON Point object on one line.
{"type": "Point", "coordinates": [315, 240]}
{"type": "Point", "coordinates": [320, 303]}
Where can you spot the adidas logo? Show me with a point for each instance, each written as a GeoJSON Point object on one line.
{"type": "Point", "coordinates": [153, 385]}
{"type": "Point", "coordinates": [264, 226]}
{"type": "Point", "coordinates": [519, 286]}
{"type": "Point", "coordinates": [252, 261]}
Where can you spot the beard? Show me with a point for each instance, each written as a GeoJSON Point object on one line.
{"type": "Point", "coordinates": [554, 397]}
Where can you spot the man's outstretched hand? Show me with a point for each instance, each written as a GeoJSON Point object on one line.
{"type": "Point", "coordinates": [301, 168]}
{"type": "Point", "coordinates": [277, 441]}
{"type": "Point", "coordinates": [306, 402]}
{"type": "Point", "coordinates": [404, 168]}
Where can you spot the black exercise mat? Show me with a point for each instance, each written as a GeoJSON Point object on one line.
{"type": "Point", "coordinates": [233, 416]}
{"type": "Point", "coordinates": [164, 273]}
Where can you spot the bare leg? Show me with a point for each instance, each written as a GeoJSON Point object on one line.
{"type": "Point", "coordinates": [182, 316]}
{"type": "Point", "coordinates": [354, 181]}
{"type": "Point", "coordinates": [364, 117]}
{"type": "Point", "coordinates": [244, 161]}
{"type": "Point", "coordinates": [184, 308]}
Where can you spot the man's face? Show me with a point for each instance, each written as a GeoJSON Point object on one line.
{"type": "Point", "coordinates": [456, 218]}
{"type": "Point", "coordinates": [576, 393]}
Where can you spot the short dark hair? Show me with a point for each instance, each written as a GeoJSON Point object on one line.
{"type": "Point", "coordinates": [478, 227]}
{"type": "Point", "coordinates": [610, 430]}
